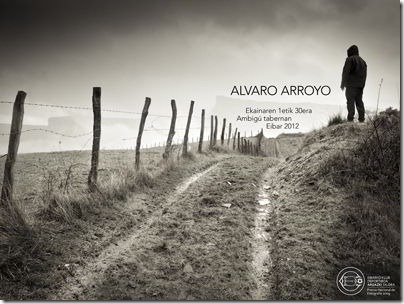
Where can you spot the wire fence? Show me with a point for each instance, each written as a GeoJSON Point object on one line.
{"type": "Point", "coordinates": [177, 141]}
{"type": "Point", "coordinates": [111, 141]}
{"type": "Point", "coordinates": [80, 108]}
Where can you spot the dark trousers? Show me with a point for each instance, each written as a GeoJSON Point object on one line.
{"type": "Point", "coordinates": [354, 97]}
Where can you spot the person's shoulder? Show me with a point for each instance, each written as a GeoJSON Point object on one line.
{"type": "Point", "coordinates": [362, 60]}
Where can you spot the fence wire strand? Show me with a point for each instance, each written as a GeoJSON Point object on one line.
{"type": "Point", "coordinates": [90, 109]}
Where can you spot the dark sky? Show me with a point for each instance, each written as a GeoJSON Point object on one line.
{"type": "Point", "coordinates": [56, 50]}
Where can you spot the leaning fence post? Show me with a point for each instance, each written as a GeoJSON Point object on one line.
{"type": "Point", "coordinates": [234, 139]}
{"type": "Point", "coordinates": [215, 132]}
{"type": "Point", "coordinates": [238, 141]}
{"type": "Point", "coordinates": [202, 129]}
{"type": "Point", "coordinates": [140, 133]}
{"type": "Point", "coordinates": [171, 133]}
{"type": "Point", "coordinates": [92, 176]}
{"type": "Point", "coordinates": [223, 129]}
{"type": "Point", "coordinates": [13, 143]}
{"type": "Point", "coordinates": [185, 144]}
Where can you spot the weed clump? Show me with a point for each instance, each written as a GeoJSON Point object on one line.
{"type": "Point", "coordinates": [65, 208]}
{"type": "Point", "coordinates": [18, 241]}
{"type": "Point", "coordinates": [335, 120]}
{"type": "Point", "coordinates": [144, 180]}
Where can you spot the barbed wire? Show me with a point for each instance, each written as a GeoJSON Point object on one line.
{"type": "Point", "coordinates": [85, 134]}
{"type": "Point", "coordinates": [48, 131]}
{"type": "Point", "coordinates": [90, 109]}
{"type": "Point", "coordinates": [152, 128]}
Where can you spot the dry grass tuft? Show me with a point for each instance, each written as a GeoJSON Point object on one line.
{"type": "Point", "coordinates": [144, 180]}
{"type": "Point", "coordinates": [335, 120]}
{"type": "Point", "coordinates": [118, 185]}
{"type": "Point", "coordinates": [65, 208]}
{"type": "Point", "coordinates": [18, 242]}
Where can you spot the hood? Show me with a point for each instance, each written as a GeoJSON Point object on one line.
{"type": "Point", "coordinates": [353, 50]}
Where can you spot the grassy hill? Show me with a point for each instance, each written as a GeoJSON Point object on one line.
{"type": "Point", "coordinates": [338, 206]}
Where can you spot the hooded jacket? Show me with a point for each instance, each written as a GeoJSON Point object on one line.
{"type": "Point", "coordinates": [355, 69]}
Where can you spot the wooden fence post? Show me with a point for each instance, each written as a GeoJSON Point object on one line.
{"type": "Point", "coordinates": [223, 129]}
{"type": "Point", "coordinates": [215, 132]}
{"type": "Point", "coordinates": [13, 143]}
{"type": "Point", "coordinates": [211, 132]}
{"type": "Point", "coordinates": [260, 136]}
{"type": "Point", "coordinates": [234, 139]}
{"type": "Point", "coordinates": [92, 176]}
{"type": "Point", "coordinates": [171, 133]}
{"type": "Point", "coordinates": [145, 111]}
{"type": "Point", "coordinates": [202, 129]}
{"type": "Point", "coordinates": [238, 141]}
{"type": "Point", "coordinates": [185, 144]}
{"type": "Point", "coordinates": [229, 135]}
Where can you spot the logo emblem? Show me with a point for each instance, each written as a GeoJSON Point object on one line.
{"type": "Point", "coordinates": [350, 281]}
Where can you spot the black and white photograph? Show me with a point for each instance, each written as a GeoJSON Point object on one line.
{"type": "Point", "coordinates": [200, 150]}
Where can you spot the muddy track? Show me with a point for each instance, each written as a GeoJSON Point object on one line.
{"type": "Point", "coordinates": [262, 243]}
{"type": "Point", "coordinates": [88, 275]}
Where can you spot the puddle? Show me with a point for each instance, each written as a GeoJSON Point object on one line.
{"type": "Point", "coordinates": [262, 262]}
{"type": "Point", "coordinates": [263, 202]}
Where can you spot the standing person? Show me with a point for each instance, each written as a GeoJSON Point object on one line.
{"type": "Point", "coordinates": [354, 79]}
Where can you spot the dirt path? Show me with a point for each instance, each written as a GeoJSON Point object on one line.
{"type": "Point", "coordinates": [87, 276]}
{"type": "Point", "coordinates": [203, 239]}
